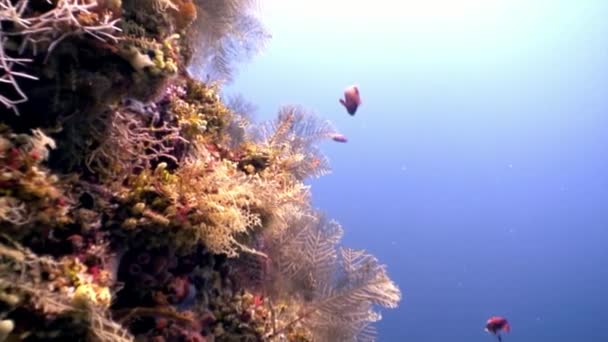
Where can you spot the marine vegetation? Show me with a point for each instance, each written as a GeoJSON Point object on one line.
{"type": "Point", "coordinates": [138, 204]}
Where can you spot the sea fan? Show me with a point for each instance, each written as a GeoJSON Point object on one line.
{"type": "Point", "coordinates": [242, 119]}
{"type": "Point", "coordinates": [293, 137]}
{"type": "Point", "coordinates": [225, 31]}
{"type": "Point", "coordinates": [343, 309]}
{"type": "Point", "coordinates": [309, 248]}
{"type": "Point", "coordinates": [239, 105]}
{"type": "Point", "coordinates": [339, 287]}
{"type": "Point", "coordinates": [298, 127]}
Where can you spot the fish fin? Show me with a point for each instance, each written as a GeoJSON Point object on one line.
{"type": "Point", "coordinates": [357, 96]}
{"type": "Point", "coordinates": [356, 90]}
{"type": "Point", "coordinates": [499, 338]}
{"type": "Point", "coordinates": [342, 102]}
{"type": "Point", "coordinates": [507, 327]}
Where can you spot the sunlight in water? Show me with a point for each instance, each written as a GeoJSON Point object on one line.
{"type": "Point", "coordinates": [381, 10]}
{"type": "Point", "coordinates": [428, 22]}
{"type": "Point", "coordinates": [473, 32]}
{"type": "Point", "coordinates": [433, 10]}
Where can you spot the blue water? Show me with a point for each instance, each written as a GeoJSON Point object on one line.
{"type": "Point", "coordinates": [477, 165]}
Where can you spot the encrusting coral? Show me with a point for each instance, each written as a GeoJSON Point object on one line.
{"type": "Point", "coordinates": [136, 205]}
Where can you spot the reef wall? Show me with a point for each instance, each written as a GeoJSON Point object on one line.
{"type": "Point", "coordinates": [135, 204]}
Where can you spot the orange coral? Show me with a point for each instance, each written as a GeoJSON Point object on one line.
{"type": "Point", "coordinates": [186, 13]}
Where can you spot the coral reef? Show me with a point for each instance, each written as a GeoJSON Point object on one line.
{"type": "Point", "coordinates": [136, 204]}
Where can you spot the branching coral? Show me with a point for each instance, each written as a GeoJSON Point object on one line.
{"type": "Point", "coordinates": [67, 18]}
{"type": "Point", "coordinates": [289, 143]}
{"type": "Point", "coordinates": [283, 153]}
{"type": "Point", "coordinates": [241, 122]}
{"type": "Point", "coordinates": [130, 141]}
{"type": "Point", "coordinates": [249, 204]}
{"type": "Point", "coordinates": [337, 287]}
{"type": "Point", "coordinates": [158, 212]}
{"type": "Point", "coordinates": [213, 202]}
{"type": "Point", "coordinates": [24, 180]}
{"type": "Point", "coordinates": [56, 288]}
{"type": "Point", "coordinates": [13, 211]}
{"type": "Point", "coordinates": [10, 75]}
{"type": "Point", "coordinates": [232, 202]}
{"type": "Point", "coordinates": [40, 28]}
{"type": "Point", "coordinates": [213, 199]}
{"type": "Point", "coordinates": [225, 31]}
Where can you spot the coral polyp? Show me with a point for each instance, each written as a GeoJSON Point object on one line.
{"type": "Point", "coordinates": [135, 204]}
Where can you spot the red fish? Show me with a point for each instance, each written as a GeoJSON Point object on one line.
{"type": "Point", "coordinates": [258, 300]}
{"type": "Point", "coordinates": [339, 138]}
{"type": "Point", "coordinates": [351, 100]}
{"type": "Point", "coordinates": [496, 324]}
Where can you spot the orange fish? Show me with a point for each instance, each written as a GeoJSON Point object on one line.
{"type": "Point", "coordinates": [352, 99]}
{"type": "Point", "coordinates": [496, 324]}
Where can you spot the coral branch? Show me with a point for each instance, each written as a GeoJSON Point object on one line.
{"type": "Point", "coordinates": [341, 285]}
{"type": "Point", "coordinates": [44, 31]}
{"type": "Point", "coordinates": [129, 142]}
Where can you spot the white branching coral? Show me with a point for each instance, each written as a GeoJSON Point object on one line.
{"type": "Point", "coordinates": [163, 5]}
{"type": "Point", "coordinates": [43, 32]}
{"type": "Point", "coordinates": [128, 141]}
{"type": "Point", "coordinates": [13, 211]}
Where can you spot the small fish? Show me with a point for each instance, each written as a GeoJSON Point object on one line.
{"type": "Point", "coordinates": [496, 324]}
{"type": "Point", "coordinates": [258, 300]}
{"type": "Point", "coordinates": [352, 99]}
{"type": "Point", "coordinates": [339, 138]}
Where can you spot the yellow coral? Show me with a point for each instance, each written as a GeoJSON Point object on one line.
{"type": "Point", "coordinates": [200, 112]}
{"type": "Point", "coordinates": [92, 293]}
